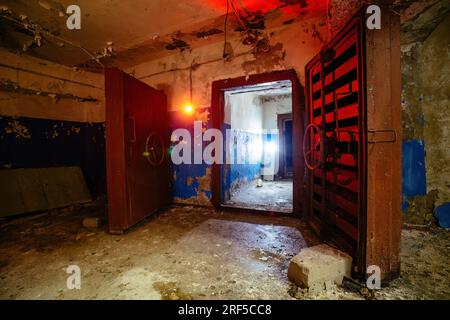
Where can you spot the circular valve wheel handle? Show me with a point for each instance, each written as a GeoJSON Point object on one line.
{"type": "Point", "coordinates": [316, 146]}
{"type": "Point", "coordinates": [154, 149]}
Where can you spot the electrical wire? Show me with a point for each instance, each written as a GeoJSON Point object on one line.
{"type": "Point", "coordinates": [249, 52]}
{"type": "Point", "coordinates": [48, 34]}
{"type": "Point", "coordinates": [244, 8]}
{"type": "Point", "coordinates": [225, 30]}
{"type": "Point", "coordinates": [191, 69]}
{"type": "Point", "coordinates": [238, 17]}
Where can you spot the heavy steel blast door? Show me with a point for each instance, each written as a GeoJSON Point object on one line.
{"type": "Point", "coordinates": [334, 141]}
{"type": "Point", "coordinates": [137, 138]}
{"type": "Point", "coordinates": [350, 143]}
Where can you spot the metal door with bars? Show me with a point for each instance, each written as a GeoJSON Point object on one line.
{"type": "Point", "coordinates": [350, 143]}
{"type": "Point", "coordinates": [335, 141]}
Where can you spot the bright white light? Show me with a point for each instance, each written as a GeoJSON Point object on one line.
{"type": "Point", "coordinates": [270, 147]}
{"type": "Point", "coordinates": [256, 151]}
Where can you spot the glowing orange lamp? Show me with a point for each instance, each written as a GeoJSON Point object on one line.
{"type": "Point", "coordinates": [188, 109]}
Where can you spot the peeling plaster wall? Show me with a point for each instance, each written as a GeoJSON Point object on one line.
{"type": "Point", "coordinates": [291, 47]}
{"type": "Point", "coordinates": [340, 11]}
{"type": "Point", "coordinates": [243, 150]}
{"type": "Point", "coordinates": [190, 183]}
{"type": "Point", "coordinates": [51, 115]}
{"type": "Point", "coordinates": [436, 107]}
{"type": "Point", "coordinates": [426, 107]}
{"type": "Point", "coordinates": [273, 106]}
{"type": "Point", "coordinates": [244, 111]}
{"type": "Point", "coordinates": [35, 88]}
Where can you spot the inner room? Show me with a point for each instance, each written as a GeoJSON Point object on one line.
{"type": "Point", "coordinates": [224, 150]}
{"type": "Point", "coordinates": [258, 170]}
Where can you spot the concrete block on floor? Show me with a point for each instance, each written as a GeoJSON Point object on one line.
{"type": "Point", "coordinates": [316, 268]}
{"type": "Point", "coordinates": [91, 222]}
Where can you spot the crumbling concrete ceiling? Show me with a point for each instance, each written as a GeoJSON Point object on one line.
{"type": "Point", "coordinates": [127, 32]}
{"type": "Point", "coordinates": [420, 18]}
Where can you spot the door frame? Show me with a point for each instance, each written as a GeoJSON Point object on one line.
{"type": "Point", "coordinates": [298, 121]}
{"type": "Point", "coordinates": [281, 118]}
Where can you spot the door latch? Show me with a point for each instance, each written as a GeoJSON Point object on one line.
{"type": "Point", "coordinates": [381, 136]}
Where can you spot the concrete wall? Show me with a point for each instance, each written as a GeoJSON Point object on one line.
{"type": "Point", "coordinates": [243, 111]}
{"type": "Point", "coordinates": [273, 106]}
{"type": "Point", "coordinates": [35, 88]}
{"type": "Point", "coordinates": [291, 47]}
{"type": "Point", "coordinates": [243, 149]}
{"type": "Point", "coordinates": [51, 115]}
{"type": "Point", "coordinates": [426, 109]}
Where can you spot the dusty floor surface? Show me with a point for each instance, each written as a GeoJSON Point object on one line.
{"type": "Point", "coordinates": [189, 253]}
{"type": "Point", "coordinates": [181, 253]}
{"type": "Point", "coordinates": [424, 275]}
{"type": "Point", "coordinates": [272, 196]}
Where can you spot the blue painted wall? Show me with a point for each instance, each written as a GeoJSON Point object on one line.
{"type": "Point", "coordinates": [181, 174]}
{"type": "Point", "coordinates": [414, 170]}
{"type": "Point", "coordinates": [245, 169]}
{"type": "Point", "coordinates": [184, 182]}
{"type": "Point", "coordinates": [31, 143]}
{"type": "Point", "coordinates": [39, 143]}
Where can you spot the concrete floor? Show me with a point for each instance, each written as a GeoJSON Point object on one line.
{"type": "Point", "coordinates": [189, 253]}
{"type": "Point", "coordinates": [184, 252]}
{"type": "Point", "coordinates": [273, 196]}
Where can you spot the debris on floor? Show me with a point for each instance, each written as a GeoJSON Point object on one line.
{"type": "Point", "coordinates": [420, 209]}
{"type": "Point", "coordinates": [317, 267]}
{"type": "Point", "coordinates": [355, 286]}
{"type": "Point", "coordinates": [170, 291]}
{"type": "Point", "coordinates": [192, 253]}
{"type": "Point", "coordinates": [91, 222]}
{"type": "Point", "coordinates": [259, 183]}
{"type": "Point", "coordinates": [181, 253]}
{"type": "Point", "coordinates": [274, 196]}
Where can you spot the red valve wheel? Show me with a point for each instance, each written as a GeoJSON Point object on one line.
{"type": "Point", "coordinates": [312, 162]}
{"type": "Point", "coordinates": [154, 149]}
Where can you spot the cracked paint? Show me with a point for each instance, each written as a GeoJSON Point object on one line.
{"type": "Point", "coordinates": [270, 60]}
{"type": "Point", "coordinates": [10, 86]}
{"type": "Point", "coordinates": [204, 182]}
{"type": "Point", "coordinates": [17, 129]}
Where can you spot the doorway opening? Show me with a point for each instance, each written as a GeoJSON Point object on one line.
{"type": "Point", "coordinates": [262, 119]}
{"type": "Point", "coordinates": [285, 145]}
{"type": "Point", "coordinates": [251, 176]}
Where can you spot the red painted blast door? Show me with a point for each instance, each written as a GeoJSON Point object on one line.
{"type": "Point", "coordinates": [137, 136]}
{"type": "Point", "coordinates": [335, 142]}
{"type": "Point", "coordinates": [352, 149]}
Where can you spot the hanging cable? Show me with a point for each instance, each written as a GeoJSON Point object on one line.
{"type": "Point", "coordinates": [244, 8]}
{"type": "Point", "coordinates": [224, 55]}
{"type": "Point", "coordinates": [35, 28]}
{"type": "Point", "coordinates": [238, 17]}
{"type": "Point", "coordinates": [190, 82]}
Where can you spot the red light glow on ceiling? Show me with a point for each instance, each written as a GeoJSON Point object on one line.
{"type": "Point", "coordinates": [292, 6]}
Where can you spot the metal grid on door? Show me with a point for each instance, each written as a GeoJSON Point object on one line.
{"type": "Point", "coordinates": [335, 140]}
